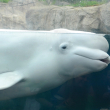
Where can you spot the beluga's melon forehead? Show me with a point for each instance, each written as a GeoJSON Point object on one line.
{"type": "Point", "coordinates": [90, 40]}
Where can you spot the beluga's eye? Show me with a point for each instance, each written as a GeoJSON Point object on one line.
{"type": "Point", "coordinates": [63, 45]}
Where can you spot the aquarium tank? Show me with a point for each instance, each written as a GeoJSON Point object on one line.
{"type": "Point", "coordinates": [54, 55]}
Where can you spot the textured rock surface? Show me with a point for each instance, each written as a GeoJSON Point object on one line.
{"type": "Point", "coordinates": [105, 18]}
{"type": "Point", "coordinates": [86, 19]}
{"type": "Point", "coordinates": [35, 16]}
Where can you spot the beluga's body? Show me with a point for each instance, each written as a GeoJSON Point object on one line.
{"type": "Point", "coordinates": [35, 61]}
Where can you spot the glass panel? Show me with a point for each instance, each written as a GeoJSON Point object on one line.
{"type": "Point", "coordinates": [86, 92]}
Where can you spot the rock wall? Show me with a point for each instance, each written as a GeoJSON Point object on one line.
{"type": "Point", "coordinates": [41, 17]}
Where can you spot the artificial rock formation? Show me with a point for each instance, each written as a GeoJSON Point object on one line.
{"type": "Point", "coordinates": [35, 16]}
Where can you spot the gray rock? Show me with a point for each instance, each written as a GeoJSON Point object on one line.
{"type": "Point", "coordinates": [105, 18]}
{"type": "Point", "coordinates": [51, 17]}
{"type": "Point", "coordinates": [93, 19]}
{"type": "Point", "coordinates": [33, 15]}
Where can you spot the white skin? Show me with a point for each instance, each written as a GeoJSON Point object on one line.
{"type": "Point", "coordinates": [35, 61]}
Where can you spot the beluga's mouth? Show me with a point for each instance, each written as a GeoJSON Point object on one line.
{"type": "Point", "coordinates": [105, 60]}
{"type": "Point", "coordinates": [93, 54]}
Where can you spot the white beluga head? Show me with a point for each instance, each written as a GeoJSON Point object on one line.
{"type": "Point", "coordinates": [82, 52]}
{"type": "Point", "coordinates": [35, 61]}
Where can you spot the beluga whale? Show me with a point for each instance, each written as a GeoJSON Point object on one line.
{"type": "Point", "coordinates": [32, 62]}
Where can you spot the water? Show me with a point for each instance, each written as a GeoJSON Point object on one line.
{"type": "Point", "coordinates": [88, 92]}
